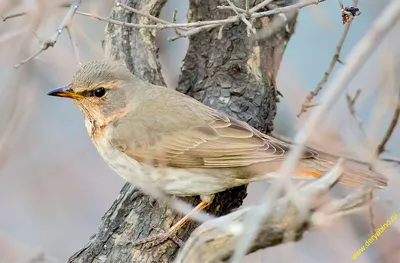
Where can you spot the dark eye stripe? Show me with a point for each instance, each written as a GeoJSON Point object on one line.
{"type": "Point", "coordinates": [88, 93]}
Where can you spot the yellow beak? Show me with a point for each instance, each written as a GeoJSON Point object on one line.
{"type": "Point", "coordinates": [65, 92]}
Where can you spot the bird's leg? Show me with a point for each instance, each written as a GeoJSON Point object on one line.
{"type": "Point", "coordinates": [171, 233]}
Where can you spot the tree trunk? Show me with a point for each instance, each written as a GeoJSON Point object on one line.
{"type": "Point", "coordinates": [235, 74]}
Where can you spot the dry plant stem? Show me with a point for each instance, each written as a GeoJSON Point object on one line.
{"type": "Point", "coordinates": [196, 27]}
{"type": "Point", "coordinates": [174, 21]}
{"type": "Point", "coordinates": [240, 10]}
{"type": "Point", "coordinates": [351, 102]}
{"type": "Point", "coordinates": [259, 6]}
{"type": "Point", "coordinates": [209, 244]}
{"type": "Point", "coordinates": [155, 19]}
{"type": "Point", "coordinates": [356, 58]}
{"type": "Point", "coordinates": [391, 160]}
{"type": "Point", "coordinates": [242, 17]}
{"type": "Point", "coordinates": [287, 8]}
{"type": "Point", "coordinates": [275, 11]}
{"type": "Point", "coordinates": [194, 31]}
{"type": "Point", "coordinates": [74, 45]}
{"type": "Point", "coordinates": [381, 147]}
{"type": "Point", "coordinates": [335, 59]}
{"type": "Point", "coordinates": [53, 40]}
{"type": "Point", "coordinates": [5, 18]}
{"type": "Point", "coordinates": [162, 26]}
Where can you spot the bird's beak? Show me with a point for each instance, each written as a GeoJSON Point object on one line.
{"type": "Point", "coordinates": [65, 92]}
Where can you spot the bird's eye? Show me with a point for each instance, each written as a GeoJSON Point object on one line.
{"type": "Point", "coordinates": [100, 92]}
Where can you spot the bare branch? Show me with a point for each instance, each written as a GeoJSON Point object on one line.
{"type": "Point", "coordinates": [196, 27]}
{"type": "Point", "coordinates": [240, 10]}
{"type": "Point", "coordinates": [155, 19]}
{"type": "Point", "coordinates": [381, 147]}
{"type": "Point", "coordinates": [74, 45]}
{"type": "Point", "coordinates": [19, 14]}
{"type": "Point", "coordinates": [250, 27]}
{"type": "Point", "coordinates": [286, 9]}
{"type": "Point", "coordinates": [162, 26]}
{"type": "Point", "coordinates": [259, 6]}
{"type": "Point", "coordinates": [351, 102]}
{"type": "Point", "coordinates": [208, 243]}
{"type": "Point", "coordinates": [391, 160]}
{"type": "Point", "coordinates": [355, 60]}
{"type": "Point", "coordinates": [5, 18]}
{"type": "Point", "coordinates": [53, 40]}
{"type": "Point", "coordinates": [336, 58]}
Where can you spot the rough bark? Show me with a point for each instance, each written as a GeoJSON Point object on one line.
{"type": "Point", "coordinates": [235, 74]}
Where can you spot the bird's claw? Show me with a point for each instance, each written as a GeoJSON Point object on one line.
{"type": "Point", "coordinates": [158, 239]}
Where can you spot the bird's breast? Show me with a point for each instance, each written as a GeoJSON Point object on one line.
{"type": "Point", "coordinates": [128, 168]}
{"type": "Point", "coordinates": [95, 131]}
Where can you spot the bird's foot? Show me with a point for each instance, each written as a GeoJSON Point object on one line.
{"type": "Point", "coordinates": [163, 235]}
{"type": "Point", "coordinates": [158, 239]}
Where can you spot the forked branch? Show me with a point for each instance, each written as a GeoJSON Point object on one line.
{"type": "Point", "coordinates": [53, 40]}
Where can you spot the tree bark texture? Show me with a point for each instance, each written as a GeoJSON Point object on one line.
{"type": "Point", "coordinates": [235, 74]}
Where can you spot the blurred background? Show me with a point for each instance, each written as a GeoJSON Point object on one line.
{"type": "Point", "coordinates": [54, 187]}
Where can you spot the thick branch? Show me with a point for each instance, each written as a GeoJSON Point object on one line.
{"type": "Point", "coordinates": [209, 243]}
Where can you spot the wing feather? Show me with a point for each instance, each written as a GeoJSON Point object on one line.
{"type": "Point", "coordinates": [193, 136]}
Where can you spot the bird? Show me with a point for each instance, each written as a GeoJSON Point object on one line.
{"type": "Point", "coordinates": [150, 134]}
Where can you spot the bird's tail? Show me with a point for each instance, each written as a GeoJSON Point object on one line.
{"type": "Point", "coordinates": [353, 175]}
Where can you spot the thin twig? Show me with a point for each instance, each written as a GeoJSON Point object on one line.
{"type": "Point", "coordinates": [133, 10]}
{"type": "Point", "coordinates": [5, 18]}
{"type": "Point", "coordinates": [240, 10]}
{"type": "Point", "coordinates": [351, 102]}
{"type": "Point", "coordinates": [259, 6]}
{"type": "Point", "coordinates": [53, 40]}
{"type": "Point", "coordinates": [196, 27]}
{"type": "Point", "coordinates": [391, 160]}
{"type": "Point", "coordinates": [243, 18]}
{"type": "Point", "coordinates": [208, 243]}
{"type": "Point", "coordinates": [234, 7]}
{"type": "Point", "coordinates": [162, 26]}
{"type": "Point", "coordinates": [356, 58]}
{"type": "Point", "coordinates": [193, 32]}
{"type": "Point", "coordinates": [74, 45]}
{"type": "Point", "coordinates": [288, 8]}
{"type": "Point", "coordinates": [335, 59]}
{"type": "Point", "coordinates": [174, 21]}
{"type": "Point", "coordinates": [381, 147]}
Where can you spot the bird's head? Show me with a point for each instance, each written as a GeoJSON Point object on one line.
{"type": "Point", "coordinates": [99, 88]}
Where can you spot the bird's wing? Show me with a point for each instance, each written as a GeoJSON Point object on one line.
{"type": "Point", "coordinates": [195, 137]}
{"type": "Point", "coordinates": [187, 134]}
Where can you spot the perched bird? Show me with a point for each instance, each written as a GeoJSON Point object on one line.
{"type": "Point", "coordinates": [154, 135]}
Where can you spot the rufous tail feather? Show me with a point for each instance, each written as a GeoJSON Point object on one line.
{"type": "Point", "coordinates": [353, 176]}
